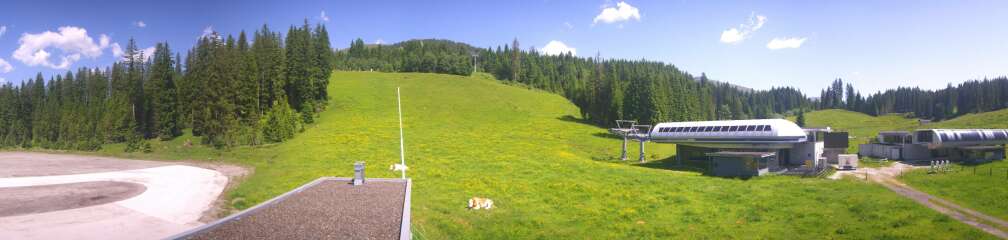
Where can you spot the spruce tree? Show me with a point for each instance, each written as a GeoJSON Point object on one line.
{"type": "Point", "coordinates": [163, 94]}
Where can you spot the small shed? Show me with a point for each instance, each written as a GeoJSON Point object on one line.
{"type": "Point", "coordinates": [741, 164]}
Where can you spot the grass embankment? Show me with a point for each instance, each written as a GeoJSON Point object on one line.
{"type": "Point", "coordinates": [861, 127]}
{"type": "Point", "coordinates": [983, 192]}
{"type": "Point", "coordinates": [550, 175]}
{"type": "Point", "coordinates": [980, 187]}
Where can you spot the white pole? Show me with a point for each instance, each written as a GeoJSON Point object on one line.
{"type": "Point", "coordinates": [402, 146]}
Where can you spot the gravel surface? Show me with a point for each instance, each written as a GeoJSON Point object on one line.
{"type": "Point", "coordinates": [53, 196]}
{"type": "Point", "coordinates": [38, 199]}
{"type": "Point", "coordinates": [333, 209]}
{"type": "Point", "coordinates": [24, 164]}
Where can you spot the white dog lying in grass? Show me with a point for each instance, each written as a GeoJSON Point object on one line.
{"type": "Point", "coordinates": [480, 203]}
{"type": "Point", "coordinates": [398, 167]}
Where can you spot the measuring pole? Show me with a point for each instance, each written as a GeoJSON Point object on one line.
{"type": "Point", "coordinates": [402, 145]}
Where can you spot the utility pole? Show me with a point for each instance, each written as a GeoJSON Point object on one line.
{"type": "Point", "coordinates": [402, 145]}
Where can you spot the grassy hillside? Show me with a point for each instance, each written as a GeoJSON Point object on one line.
{"type": "Point", "coordinates": [983, 191]}
{"type": "Point", "coordinates": [980, 187]}
{"type": "Point", "coordinates": [995, 119]}
{"type": "Point", "coordinates": [860, 126]}
{"type": "Point", "coordinates": [550, 175]}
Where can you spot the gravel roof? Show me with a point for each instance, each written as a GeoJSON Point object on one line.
{"type": "Point", "coordinates": [330, 209]}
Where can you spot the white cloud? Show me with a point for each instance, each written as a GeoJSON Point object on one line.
{"type": "Point", "coordinates": [73, 42]}
{"type": "Point", "coordinates": [622, 12]}
{"type": "Point", "coordinates": [324, 17]}
{"type": "Point", "coordinates": [116, 50]}
{"type": "Point", "coordinates": [736, 35]}
{"type": "Point", "coordinates": [209, 32]}
{"type": "Point", "coordinates": [140, 24]}
{"type": "Point", "coordinates": [556, 48]}
{"type": "Point", "coordinates": [5, 66]}
{"type": "Point", "coordinates": [3, 29]}
{"type": "Point", "coordinates": [568, 26]}
{"type": "Point", "coordinates": [781, 43]}
{"type": "Point", "coordinates": [379, 41]}
{"type": "Point", "coordinates": [147, 53]}
{"type": "Point", "coordinates": [3, 80]}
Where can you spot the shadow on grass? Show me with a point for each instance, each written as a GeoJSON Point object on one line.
{"type": "Point", "coordinates": [670, 163]}
{"type": "Point", "coordinates": [573, 119]}
{"type": "Point", "coordinates": [700, 167]}
{"type": "Point", "coordinates": [607, 135]}
{"type": "Point", "coordinates": [968, 163]}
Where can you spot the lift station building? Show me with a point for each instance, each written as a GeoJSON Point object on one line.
{"type": "Point", "coordinates": [747, 148]}
{"type": "Point", "coordinates": [970, 145]}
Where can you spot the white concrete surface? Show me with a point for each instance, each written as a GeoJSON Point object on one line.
{"type": "Point", "coordinates": [175, 199]}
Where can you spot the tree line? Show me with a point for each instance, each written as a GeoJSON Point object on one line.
{"type": "Point", "coordinates": [651, 91]}
{"type": "Point", "coordinates": [973, 96]}
{"type": "Point", "coordinates": [226, 90]}
{"type": "Point", "coordinates": [603, 89]}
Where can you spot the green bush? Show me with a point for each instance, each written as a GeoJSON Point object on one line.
{"type": "Point", "coordinates": [281, 122]}
{"type": "Point", "coordinates": [136, 143]}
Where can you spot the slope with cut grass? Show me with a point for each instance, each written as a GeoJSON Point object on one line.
{"type": "Point", "coordinates": [983, 191]}
{"type": "Point", "coordinates": [550, 175]}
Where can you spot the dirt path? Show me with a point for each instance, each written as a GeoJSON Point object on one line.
{"type": "Point", "coordinates": [886, 176]}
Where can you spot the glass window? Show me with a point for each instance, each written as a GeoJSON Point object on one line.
{"type": "Point", "coordinates": [717, 128]}
{"type": "Point", "coordinates": [970, 136]}
{"type": "Point", "coordinates": [1000, 135]}
{"type": "Point", "coordinates": [733, 128]}
{"type": "Point", "coordinates": [692, 129]}
{"type": "Point", "coordinates": [759, 128]}
{"type": "Point", "coordinates": [724, 128]}
{"type": "Point", "coordinates": [768, 128]}
{"type": "Point", "coordinates": [708, 128]}
{"type": "Point", "coordinates": [751, 128]}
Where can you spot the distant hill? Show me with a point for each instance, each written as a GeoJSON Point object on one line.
{"type": "Point", "coordinates": [863, 127]}
{"type": "Point", "coordinates": [995, 119]}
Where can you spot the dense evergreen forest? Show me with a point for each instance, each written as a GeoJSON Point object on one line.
{"type": "Point", "coordinates": [232, 92]}
{"type": "Point", "coordinates": [226, 90]}
{"type": "Point", "coordinates": [651, 91]}
{"type": "Point", "coordinates": [604, 89]}
{"type": "Point", "coordinates": [974, 96]}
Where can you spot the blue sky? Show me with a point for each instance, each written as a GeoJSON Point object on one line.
{"type": "Point", "coordinates": [874, 44]}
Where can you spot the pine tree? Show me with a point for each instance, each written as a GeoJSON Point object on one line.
{"type": "Point", "coordinates": [162, 92]}
{"type": "Point", "coordinates": [801, 119]}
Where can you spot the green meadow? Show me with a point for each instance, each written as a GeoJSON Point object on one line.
{"type": "Point", "coordinates": [980, 187]}
{"type": "Point", "coordinates": [983, 191]}
{"type": "Point", "coordinates": [550, 175]}
{"type": "Point", "coordinates": [861, 127]}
